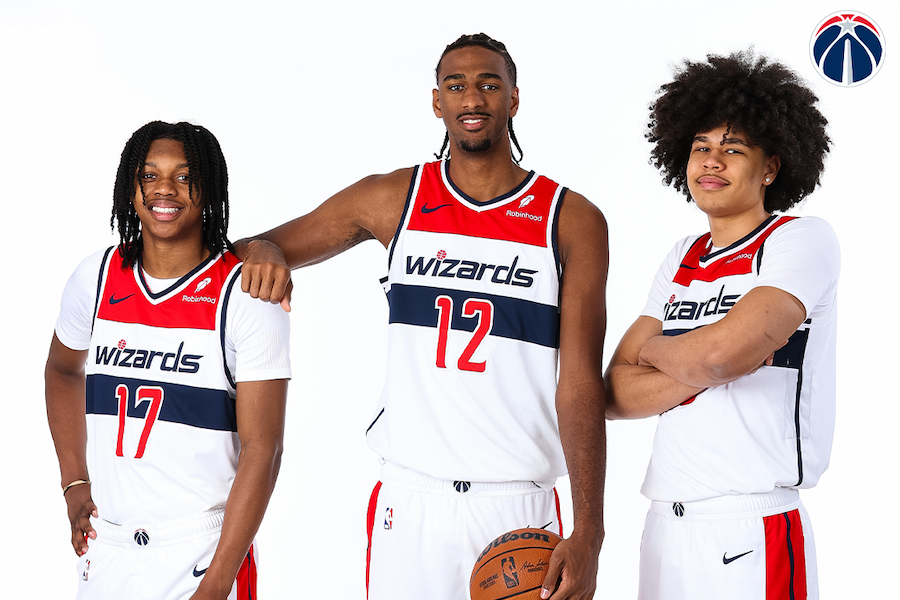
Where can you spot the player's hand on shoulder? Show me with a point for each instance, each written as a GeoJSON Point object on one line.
{"type": "Point", "coordinates": [265, 274]}
{"type": "Point", "coordinates": [81, 508]}
{"type": "Point", "coordinates": [572, 574]}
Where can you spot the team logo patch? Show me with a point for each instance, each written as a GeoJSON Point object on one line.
{"type": "Point", "coordinates": [389, 518]}
{"type": "Point", "coordinates": [678, 509]}
{"type": "Point", "coordinates": [441, 255]}
{"type": "Point", "coordinates": [121, 345]}
{"type": "Point", "coordinates": [847, 48]}
{"type": "Point", "coordinates": [141, 537]}
{"type": "Point", "coordinates": [671, 298]}
{"type": "Point", "coordinates": [462, 486]}
{"type": "Point", "coordinates": [203, 284]}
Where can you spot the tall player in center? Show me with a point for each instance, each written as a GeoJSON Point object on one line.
{"type": "Point", "coordinates": [496, 276]}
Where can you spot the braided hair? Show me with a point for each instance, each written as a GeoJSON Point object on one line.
{"type": "Point", "coordinates": [207, 171]}
{"type": "Point", "coordinates": [753, 95]}
{"type": "Point", "coordinates": [482, 41]}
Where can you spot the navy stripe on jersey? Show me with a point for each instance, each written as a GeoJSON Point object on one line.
{"type": "Point", "coordinates": [515, 319]}
{"type": "Point", "coordinates": [197, 407]}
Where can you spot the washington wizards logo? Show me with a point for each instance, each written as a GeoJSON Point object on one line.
{"type": "Point", "coordinates": [847, 48]}
{"type": "Point", "coordinates": [141, 537]}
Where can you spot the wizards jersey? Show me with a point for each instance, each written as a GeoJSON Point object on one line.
{"type": "Point", "coordinates": [162, 434]}
{"type": "Point", "coordinates": [772, 428]}
{"type": "Point", "coordinates": [473, 289]}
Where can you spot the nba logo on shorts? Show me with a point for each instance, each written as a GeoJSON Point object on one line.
{"type": "Point", "coordinates": [87, 567]}
{"type": "Point", "coordinates": [847, 48]}
{"type": "Point", "coordinates": [389, 518]}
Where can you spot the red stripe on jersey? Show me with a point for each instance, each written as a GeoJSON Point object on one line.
{"type": "Point", "coordinates": [124, 301]}
{"type": "Point", "coordinates": [246, 577]}
{"type": "Point", "coordinates": [370, 525]}
{"type": "Point", "coordinates": [436, 210]}
{"type": "Point", "coordinates": [785, 557]}
{"type": "Point", "coordinates": [558, 512]}
{"type": "Point", "coordinates": [735, 263]}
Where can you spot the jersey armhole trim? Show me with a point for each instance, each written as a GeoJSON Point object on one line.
{"type": "Point", "coordinates": [104, 265]}
{"type": "Point", "coordinates": [410, 199]}
{"type": "Point", "coordinates": [554, 233]}
{"type": "Point", "coordinates": [225, 297]}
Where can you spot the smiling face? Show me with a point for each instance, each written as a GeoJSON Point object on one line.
{"type": "Point", "coordinates": [475, 99]}
{"type": "Point", "coordinates": [166, 209]}
{"type": "Point", "coordinates": [726, 175]}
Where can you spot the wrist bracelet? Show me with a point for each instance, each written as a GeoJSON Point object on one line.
{"type": "Point", "coordinates": [74, 483]}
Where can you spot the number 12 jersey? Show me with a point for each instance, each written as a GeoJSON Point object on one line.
{"type": "Point", "coordinates": [473, 289]}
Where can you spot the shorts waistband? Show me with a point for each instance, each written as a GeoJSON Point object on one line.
{"type": "Point", "coordinates": [426, 483]}
{"type": "Point", "coordinates": [149, 535]}
{"type": "Point", "coordinates": [731, 506]}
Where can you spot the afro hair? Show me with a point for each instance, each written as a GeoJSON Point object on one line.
{"type": "Point", "coordinates": [755, 96]}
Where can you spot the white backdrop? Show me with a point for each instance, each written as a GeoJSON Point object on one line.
{"type": "Point", "coordinates": [306, 99]}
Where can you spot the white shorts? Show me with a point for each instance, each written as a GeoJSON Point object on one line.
{"type": "Point", "coordinates": [750, 547]}
{"type": "Point", "coordinates": [425, 534]}
{"type": "Point", "coordinates": [163, 561]}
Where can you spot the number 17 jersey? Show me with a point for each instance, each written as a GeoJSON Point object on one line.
{"type": "Point", "coordinates": [473, 336]}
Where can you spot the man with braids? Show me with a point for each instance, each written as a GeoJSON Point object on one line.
{"type": "Point", "coordinates": [167, 479]}
{"type": "Point", "coordinates": [494, 273]}
{"type": "Point", "coordinates": [735, 348]}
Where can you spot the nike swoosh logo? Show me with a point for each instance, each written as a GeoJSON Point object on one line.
{"type": "Point", "coordinates": [426, 210]}
{"type": "Point", "coordinates": [734, 558]}
{"type": "Point", "coordinates": [199, 573]}
{"type": "Point", "coordinates": [114, 300]}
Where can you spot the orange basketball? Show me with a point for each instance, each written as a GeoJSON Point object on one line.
{"type": "Point", "coordinates": [513, 565]}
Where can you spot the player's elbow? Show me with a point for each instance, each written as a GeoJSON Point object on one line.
{"type": "Point", "coordinates": [719, 366]}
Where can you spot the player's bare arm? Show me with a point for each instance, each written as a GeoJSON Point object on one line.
{"type": "Point", "coordinates": [260, 408]}
{"type": "Point", "coordinates": [370, 208]}
{"type": "Point", "coordinates": [759, 324]}
{"type": "Point", "coordinates": [635, 391]}
{"type": "Point", "coordinates": [580, 400]}
{"type": "Point", "coordinates": [64, 383]}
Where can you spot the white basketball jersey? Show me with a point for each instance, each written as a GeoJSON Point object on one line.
{"type": "Point", "coordinates": [473, 289]}
{"type": "Point", "coordinates": [772, 428]}
{"type": "Point", "coordinates": [162, 433]}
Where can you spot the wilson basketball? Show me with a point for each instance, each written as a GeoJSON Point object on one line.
{"type": "Point", "coordinates": [513, 565]}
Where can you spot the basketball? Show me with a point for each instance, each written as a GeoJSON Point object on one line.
{"type": "Point", "coordinates": [513, 565]}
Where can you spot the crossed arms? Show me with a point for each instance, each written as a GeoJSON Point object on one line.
{"type": "Point", "coordinates": [650, 373]}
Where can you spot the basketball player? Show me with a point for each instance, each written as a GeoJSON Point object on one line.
{"type": "Point", "coordinates": [184, 386]}
{"type": "Point", "coordinates": [735, 348]}
{"type": "Point", "coordinates": [494, 272]}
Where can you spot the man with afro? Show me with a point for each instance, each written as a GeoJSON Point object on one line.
{"type": "Point", "coordinates": [735, 348]}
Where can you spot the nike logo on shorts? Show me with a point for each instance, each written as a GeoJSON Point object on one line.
{"type": "Point", "coordinates": [734, 558]}
{"type": "Point", "coordinates": [199, 573]}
